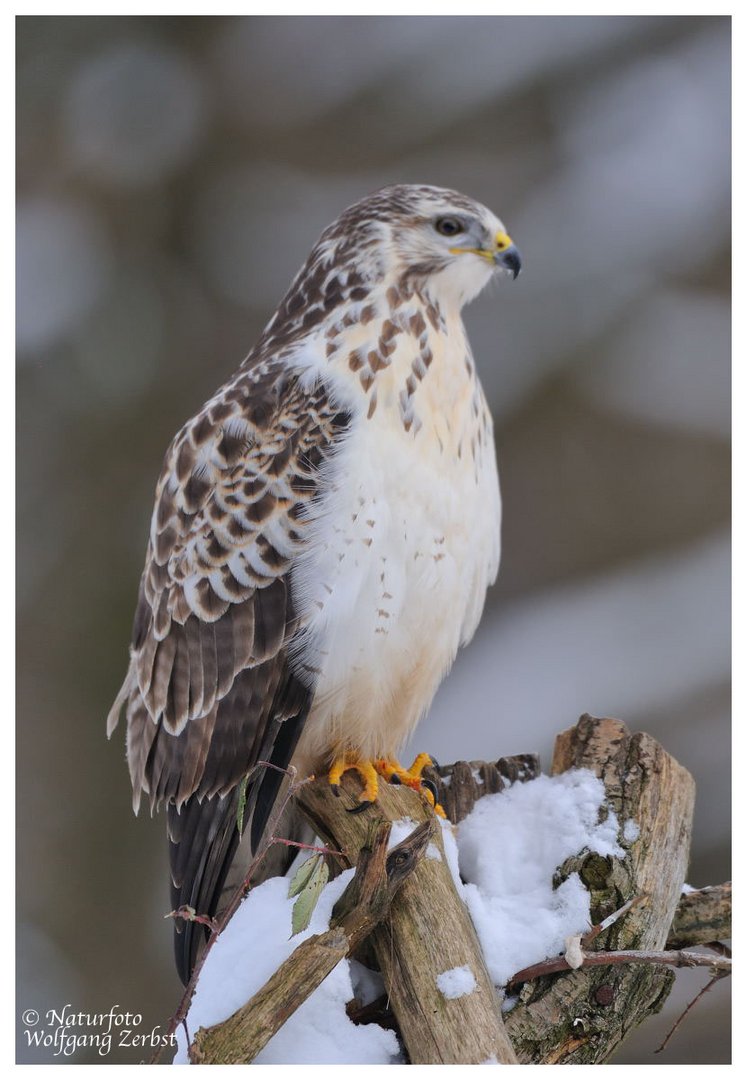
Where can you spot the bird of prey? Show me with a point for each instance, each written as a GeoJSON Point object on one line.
{"type": "Point", "coordinates": [324, 532]}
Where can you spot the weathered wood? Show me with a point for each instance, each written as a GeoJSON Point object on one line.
{"type": "Point", "coordinates": [240, 1038]}
{"type": "Point", "coordinates": [581, 1017]}
{"type": "Point", "coordinates": [460, 785]}
{"type": "Point", "coordinates": [576, 1017]}
{"type": "Point", "coordinates": [428, 931]}
{"type": "Point", "coordinates": [702, 916]}
{"type": "Point", "coordinates": [364, 903]}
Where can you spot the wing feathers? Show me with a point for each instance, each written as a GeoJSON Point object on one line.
{"type": "Point", "coordinates": [163, 665]}
{"type": "Point", "coordinates": [269, 619]}
{"type": "Point", "coordinates": [214, 598]}
{"type": "Point", "coordinates": [141, 734]}
{"type": "Point", "coordinates": [176, 712]}
{"type": "Point", "coordinates": [209, 691]}
{"type": "Point", "coordinates": [243, 634]}
{"type": "Point", "coordinates": [209, 666]}
{"type": "Point", "coordinates": [193, 638]}
{"type": "Point", "coordinates": [202, 840]}
{"type": "Point", "coordinates": [145, 658]}
{"type": "Point", "coordinates": [225, 653]}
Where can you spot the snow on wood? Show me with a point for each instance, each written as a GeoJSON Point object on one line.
{"type": "Point", "coordinates": [456, 982]}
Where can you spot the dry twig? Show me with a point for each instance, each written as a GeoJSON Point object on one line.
{"type": "Point", "coordinates": [678, 958]}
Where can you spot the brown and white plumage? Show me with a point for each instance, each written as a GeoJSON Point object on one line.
{"type": "Point", "coordinates": [324, 532]}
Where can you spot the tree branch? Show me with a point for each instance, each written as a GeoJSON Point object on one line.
{"type": "Point", "coordinates": [361, 907]}
{"type": "Point", "coordinates": [678, 958]}
{"type": "Point", "coordinates": [428, 931]}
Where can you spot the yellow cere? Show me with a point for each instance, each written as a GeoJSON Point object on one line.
{"type": "Point", "coordinates": [502, 243]}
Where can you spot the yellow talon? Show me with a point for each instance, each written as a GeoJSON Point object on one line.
{"type": "Point", "coordinates": [339, 766]}
{"type": "Point", "coordinates": [437, 808]}
{"type": "Point", "coordinates": [390, 770]}
{"type": "Point", "coordinates": [422, 761]}
{"type": "Point", "coordinates": [389, 767]}
{"type": "Point", "coordinates": [364, 769]}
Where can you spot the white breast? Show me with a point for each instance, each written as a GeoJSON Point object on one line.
{"type": "Point", "coordinates": [405, 543]}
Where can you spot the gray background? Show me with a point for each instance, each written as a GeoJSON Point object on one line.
{"type": "Point", "coordinates": [172, 175]}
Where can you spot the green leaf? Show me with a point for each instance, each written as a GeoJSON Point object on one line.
{"type": "Point", "coordinates": [302, 875]}
{"type": "Point", "coordinates": [308, 892]}
{"type": "Point", "coordinates": [242, 805]}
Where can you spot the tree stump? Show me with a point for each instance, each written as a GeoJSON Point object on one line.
{"type": "Point", "coordinates": [581, 1017]}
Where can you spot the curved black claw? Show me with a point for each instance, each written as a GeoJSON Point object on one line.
{"type": "Point", "coordinates": [434, 763]}
{"type": "Point", "coordinates": [395, 778]}
{"type": "Point", "coordinates": [364, 805]}
{"type": "Point", "coordinates": [430, 786]}
{"type": "Point", "coordinates": [335, 790]}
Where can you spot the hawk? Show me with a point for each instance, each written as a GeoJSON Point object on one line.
{"type": "Point", "coordinates": [324, 532]}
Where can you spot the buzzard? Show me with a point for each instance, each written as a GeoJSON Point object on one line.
{"type": "Point", "coordinates": [324, 532]}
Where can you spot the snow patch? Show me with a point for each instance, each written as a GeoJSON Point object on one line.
{"type": "Point", "coordinates": [451, 852]}
{"type": "Point", "coordinates": [400, 831]}
{"type": "Point", "coordinates": [509, 848]}
{"type": "Point", "coordinates": [456, 982]}
{"type": "Point", "coordinates": [367, 985]}
{"type": "Point", "coordinates": [251, 948]}
{"type": "Point", "coordinates": [631, 831]}
{"type": "Point", "coordinates": [432, 852]}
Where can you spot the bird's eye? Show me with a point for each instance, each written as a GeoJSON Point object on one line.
{"type": "Point", "coordinates": [449, 226]}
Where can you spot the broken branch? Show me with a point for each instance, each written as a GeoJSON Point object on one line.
{"type": "Point", "coordinates": [361, 907]}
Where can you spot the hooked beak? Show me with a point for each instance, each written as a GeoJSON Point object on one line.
{"type": "Point", "coordinates": [506, 254]}
{"type": "Point", "coordinates": [502, 253]}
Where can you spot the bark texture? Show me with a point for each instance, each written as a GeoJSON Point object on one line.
{"type": "Point", "coordinates": [581, 1017]}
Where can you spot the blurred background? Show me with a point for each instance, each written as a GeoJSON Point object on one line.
{"type": "Point", "coordinates": [172, 175]}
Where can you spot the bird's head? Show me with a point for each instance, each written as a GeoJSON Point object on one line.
{"type": "Point", "coordinates": [450, 242]}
